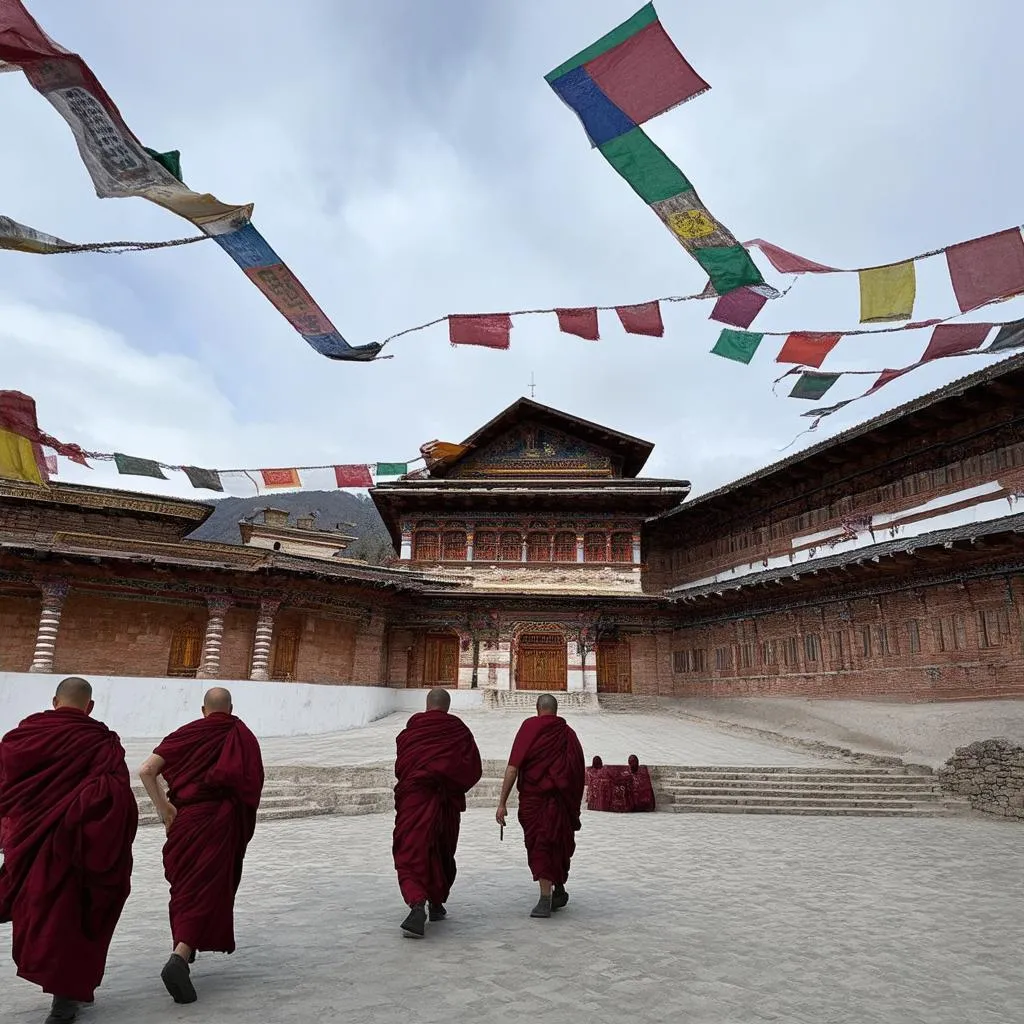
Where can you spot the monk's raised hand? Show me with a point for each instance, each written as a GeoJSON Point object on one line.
{"type": "Point", "coordinates": [501, 814]}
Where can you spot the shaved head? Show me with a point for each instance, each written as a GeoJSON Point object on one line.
{"type": "Point", "coordinates": [217, 699]}
{"type": "Point", "coordinates": [439, 699]}
{"type": "Point", "coordinates": [547, 705]}
{"type": "Point", "coordinates": [73, 692]}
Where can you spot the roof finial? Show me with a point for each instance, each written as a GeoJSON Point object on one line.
{"type": "Point", "coordinates": [533, 386]}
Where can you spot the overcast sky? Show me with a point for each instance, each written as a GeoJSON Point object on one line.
{"type": "Point", "coordinates": [407, 160]}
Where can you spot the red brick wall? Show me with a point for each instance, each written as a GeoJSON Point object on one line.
{"type": "Point", "coordinates": [19, 622]}
{"type": "Point", "coordinates": [969, 644]}
{"type": "Point", "coordinates": [236, 648]}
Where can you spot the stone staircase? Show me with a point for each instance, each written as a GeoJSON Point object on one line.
{"type": "Point", "coordinates": [526, 700]}
{"type": "Point", "coordinates": [852, 790]}
{"type": "Point", "coordinates": [629, 702]}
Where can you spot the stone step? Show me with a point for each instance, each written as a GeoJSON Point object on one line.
{"type": "Point", "coordinates": [738, 785]}
{"type": "Point", "coordinates": [869, 792]}
{"type": "Point", "coordinates": [785, 800]}
{"type": "Point", "coordinates": [526, 700]}
{"type": "Point", "coordinates": [911, 811]}
{"type": "Point", "coordinates": [706, 769]}
{"type": "Point", "coordinates": [783, 778]}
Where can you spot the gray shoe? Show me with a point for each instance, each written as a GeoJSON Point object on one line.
{"type": "Point", "coordinates": [175, 977]}
{"type": "Point", "coordinates": [415, 925]}
{"type": "Point", "coordinates": [62, 1011]}
{"type": "Point", "coordinates": [559, 897]}
{"type": "Point", "coordinates": [543, 908]}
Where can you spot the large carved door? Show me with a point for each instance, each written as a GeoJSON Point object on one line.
{"type": "Point", "coordinates": [541, 662]}
{"type": "Point", "coordinates": [441, 660]}
{"type": "Point", "coordinates": [613, 667]}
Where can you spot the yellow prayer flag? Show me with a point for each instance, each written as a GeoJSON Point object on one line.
{"type": "Point", "coordinates": [17, 460]}
{"type": "Point", "coordinates": [887, 293]}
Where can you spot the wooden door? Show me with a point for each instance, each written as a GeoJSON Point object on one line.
{"type": "Point", "coordinates": [541, 663]}
{"type": "Point", "coordinates": [441, 660]}
{"type": "Point", "coordinates": [613, 667]}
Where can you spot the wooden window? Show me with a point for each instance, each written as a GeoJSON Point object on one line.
{"type": "Point", "coordinates": [485, 546]}
{"type": "Point", "coordinates": [511, 547]}
{"type": "Point", "coordinates": [453, 546]}
{"type": "Point", "coordinates": [284, 655]}
{"type": "Point", "coordinates": [595, 547]}
{"type": "Point", "coordinates": [993, 628]}
{"type": "Point", "coordinates": [538, 547]}
{"type": "Point", "coordinates": [565, 546]}
{"type": "Point", "coordinates": [769, 652]}
{"type": "Point", "coordinates": [622, 547]}
{"type": "Point", "coordinates": [679, 661]}
{"type": "Point", "coordinates": [425, 546]}
{"type": "Point", "coordinates": [723, 658]}
{"type": "Point", "coordinates": [698, 660]}
{"type": "Point", "coordinates": [748, 655]}
{"type": "Point", "coordinates": [812, 647]}
{"type": "Point", "coordinates": [951, 633]}
{"type": "Point", "coordinates": [865, 641]}
{"type": "Point", "coordinates": [789, 651]}
{"type": "Point", "coordinates": [886, 641]}
{"type": "Point", "coordinates": [914, 635]}
{"type": "Point", "coordinates": [837, 649]}
{"type": "Point", "coordinates": [186, 651]}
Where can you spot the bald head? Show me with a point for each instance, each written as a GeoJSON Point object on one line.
{"type": "Point", "coordinates": [74, 692]}
{"type": "Point", "coordinates": [547, 705]}
{"type": "Point", "coordinates": [439, 699]}
{"type": "Point", "coordinates": [217, 701]}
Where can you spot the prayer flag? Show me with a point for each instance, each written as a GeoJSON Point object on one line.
{"type": "Point", "coordinates": [813, 385]}
{"type": "Point", "coordinates": [737, 345]}
{"type": "Point", "coordinates": [788, 262]}
{"type": "Point", "coordinates": [280, 478]}
{"type": "Point", "coordinates": [885, 377]}
{"type": "Point", "coordinates": [950, 339]}
{"type": "Point", "coordinates": [353, 476]}
{"type": "Point", "coordinates": [128, 465]}
{"type": "Point", "coordinates": [51, 465]}
{"type": "Point", "coordinates": [887, 293]}
{"type": "Point", "coordinates": [490, 330]}
{"type": "Point", "coordinates": [984, 270]}
{"type": "Point", "coordinates": [808, 348]}
{"type": "Point", "coordinates": [643, 318]}
{"type": "Point", "coordinates": [392, 468]}
{"type": "Point", "coordinates": [18, 459]}
{"type": "Point", "coordinates": [1009, 336]}
{"type": "Point", "coordinates": [203, 479]}
{"type": "Point", "coordinates": [739, 307]}
{"type": "Point", "coordinates": [645, 167]}
{"type": "Point", "coordinates": [825, 410]}
{"type": "Point", "coordinates": [581, 322]}
{"type": "Point", "coordinates": [21, 238]}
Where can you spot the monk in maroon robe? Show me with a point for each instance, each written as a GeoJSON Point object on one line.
{"type": "Point", "coordinates": [438, 763]}
{"type": "Point", "coordinates": [214, 772]}
{"type": "Point", "coordinates": [547, 765]}
{"type": "Point", "coordinates": [69, 823]}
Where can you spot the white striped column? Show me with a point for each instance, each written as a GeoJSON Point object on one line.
{"type": "Point", "coordinates": [210, 667]}
{"type": "Point", "coordinates": [263, 639]}
{"type": "Point", "coordinates": [54, 593]}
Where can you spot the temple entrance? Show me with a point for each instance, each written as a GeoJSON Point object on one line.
{"type": "Point", "coordinates": [441, 660]}
{"type": "Point", "coordinates": [541, 662]}
{"type": "Point", "coordinates": [613, 667]}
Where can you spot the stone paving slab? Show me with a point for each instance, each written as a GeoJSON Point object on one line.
{"type": "Point", "coordinates": [697, 919]}
{"type": "Point", "coordinates": [655, 739]}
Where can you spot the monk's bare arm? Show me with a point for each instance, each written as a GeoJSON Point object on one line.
{"type": "Point", "coordinates": [149, 774]}
{"type": "Point", "coordinates": [506, 787]}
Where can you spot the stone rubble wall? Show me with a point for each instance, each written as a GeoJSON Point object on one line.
{"type": "Point", "coordinates": [990, 774]}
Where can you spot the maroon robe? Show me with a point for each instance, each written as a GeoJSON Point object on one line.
{"type": "Point", "coordinates": [214, 773]}
{"type": "Point", "coordinates": [70, 818]}
{"type": "Point", "coordinates": [551, 779]}
{"type": "Point", "coordinates": [438, 763]}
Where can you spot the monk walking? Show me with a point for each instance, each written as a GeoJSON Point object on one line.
{"type": "Point", "coordinates": [69, 822]}
{"type": "Point", "coordinates": [438, 763]}
{"type": "Point", "coordinates": [547, 765]}
{"type": "Point", "coordinates": [214, 772]}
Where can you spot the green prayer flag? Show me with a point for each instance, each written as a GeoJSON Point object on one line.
{"type": "Point", "coordinates": [1009, 336]}
{"type": "Point", "coordinates": [170, 161]}
{"type": "Point", "coordinates": [737, 345]}
{"type": "Point", "coordinates": [651, 175]}
{"type": "Point", "coordinates": [205, 479]}
{"type": "Point", "coordinates": [644, 17]}
{"type": "Point", "coordinates": [392, 468]}
{"type": "Point", "coordinates": [729, 267]}
{"type": "Point", "coordinates": [128, 465]}
{"type": "Point", "coordinates": [813, 385]}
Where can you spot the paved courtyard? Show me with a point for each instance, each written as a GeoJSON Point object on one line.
{"type": "Point", "coordinates": [701, 919]}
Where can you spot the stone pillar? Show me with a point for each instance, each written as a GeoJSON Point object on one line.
{"type": "Point", "coordinates": [210, 666]}
{"type": "Point", "coordinates": [263, 639]}
{"type": "Point", "coordinates": [470, 537]}
{"type": "Point", "coordinates": [54, 593]}
{"type": "Point", "coordinates": [405, 552]}
{"type": "Point", "coordinates": [579, 547]}
{"type": "Point", "coordinates": [608, 548]}
{"type": "Point", "coordinates": [636, 548]}
{"type": "Point", "coordinates": [524, 553]}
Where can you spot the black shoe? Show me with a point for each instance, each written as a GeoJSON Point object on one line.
{"type": "Point", "coordinates": [543, 908]}
{"type": "Point", "coordinates": [415, 925]}
{"type": "Point", "coordinates": [559, 897]}
{"type": "Point", "coordinates": [192, 957]}
{"type": "Point", "coordinates": [175, 977]}
{"type": "Point", "coordinates": [62, 1011]}
{"type": "Point", "coordinates": [437, 912]}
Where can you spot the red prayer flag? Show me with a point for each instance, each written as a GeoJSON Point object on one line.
{"type": "Point", "coordinates": [353, 476]}
{"type": "Point", "coordinates": [808, 348]}
{"type": "Point", "coordinates": [884, 377]}
{"type": "Point", "coordinates": [986, 269]}
{"type": "Point", "coordinates": [644, 318]}
{"type": "Point", "coordinates": [581, 322]}
{"type": "Point", "coordinates": [738, 308]}
{"type": "Point", "coordinates": [280, 478]}
{"type": "Point", "coordinates": [788, 262]}
{"type": "Point", "coordinates": [949, 339]}
{"type": "Point", "coordinates": [490, 330]}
